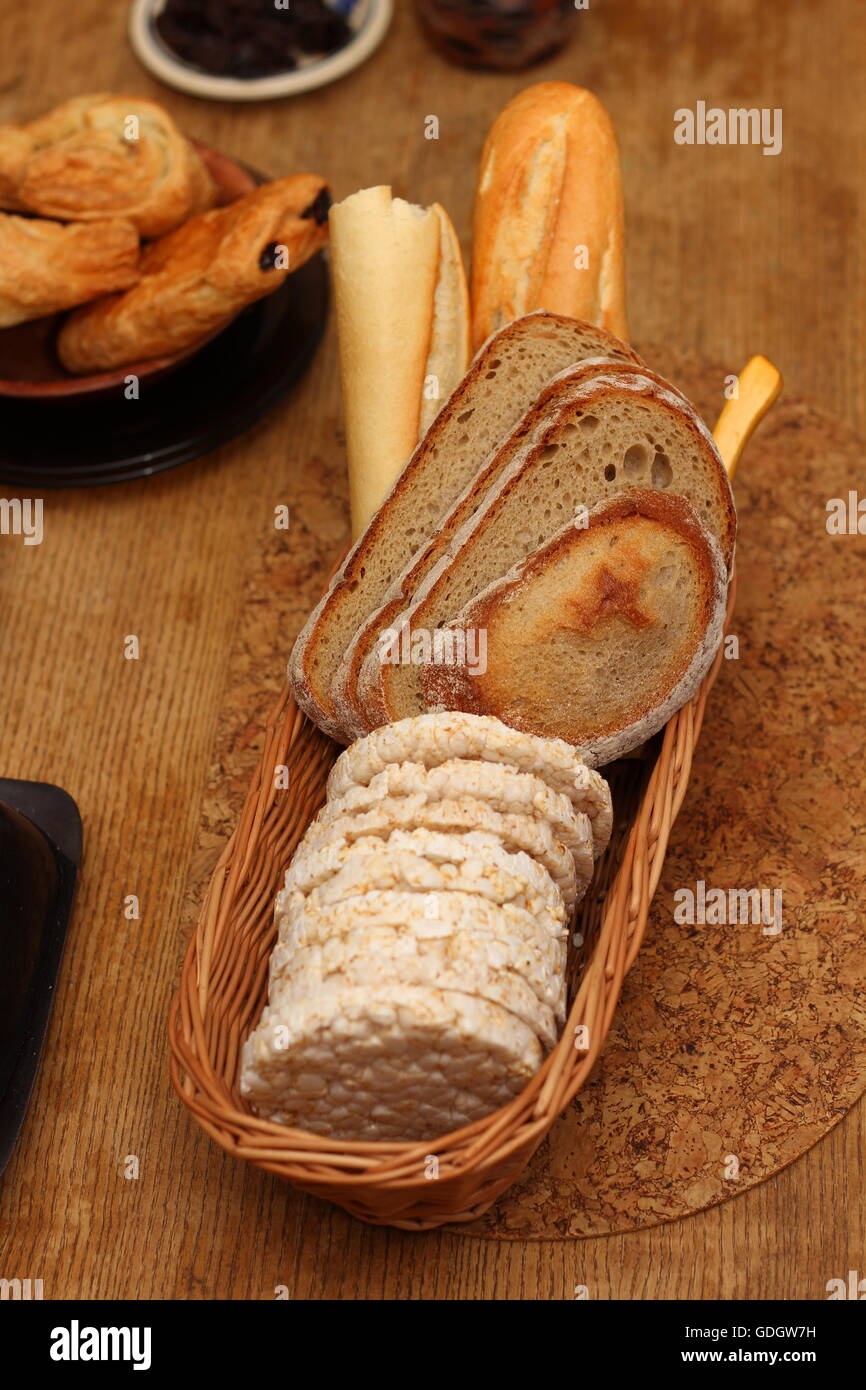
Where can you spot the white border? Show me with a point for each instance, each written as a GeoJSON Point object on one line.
{"type": "Point", "coordinates": [176, 73]}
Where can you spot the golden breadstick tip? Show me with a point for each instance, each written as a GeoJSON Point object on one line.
{"type": "Point", "coordinates": [759, 385]}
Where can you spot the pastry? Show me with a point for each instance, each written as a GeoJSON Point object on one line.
{"type": "Point", "coordinates": [104, 156]}
{"type": "Point", "coordinates": [196, 279]}
{"type": "Point", "coordinates": [46, 266]}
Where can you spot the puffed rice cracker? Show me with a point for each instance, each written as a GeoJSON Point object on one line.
{"type": "Point", "coordinates": [426, 860]}
{"type": "Point", "coordinates": [503, 788]}
{"type": "Point", "coordinates": [436, 738]}
{"type": "Point", "coordinates": [515, 832]}
{"type": "Point", "coordinates": [499, 968]}
{"type": "Point", "coordinates": [397, 1063]}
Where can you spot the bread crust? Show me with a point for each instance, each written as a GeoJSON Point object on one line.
{"type": "Point", "coordinates": [548, 184]}
{"type": "Point", "coordinates": [454, 688]}
{"type": "Point", "coordinates": [375, 678]}
{"type": "Point", "coordinates": [450, 335]}
{"type": "Point", "coordinates": [314, 695]}
{"type": "Point", "coordinates": [359, 700]}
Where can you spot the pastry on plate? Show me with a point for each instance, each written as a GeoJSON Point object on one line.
{"type": "Point", "coordinates": [104, 156]}
{"type": "Point", "coordinates": [46, 266]}
{"type": "Point", "coordinates": [196, 279]}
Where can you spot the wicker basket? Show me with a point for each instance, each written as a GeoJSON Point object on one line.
{"type": "Point", "coordinates": [223, 987]}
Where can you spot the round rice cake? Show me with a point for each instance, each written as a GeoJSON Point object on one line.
{"type": "Point", "coordinates": [436, 738]}
{"type": "Point", "coordinates": [399, 1063]}
{"type": "Point", "coordinates": [478, 962]}
{"type": "Point", "coordinates": [469, 974]}
{"type": "Point", "coordinates": [429, 916]}
{"type": "Point", "coordinates": [426, 860]}
{"type": "Point", "coordinates": [515, 832]}
{"type": "Point", "coordinates": [503, 789]}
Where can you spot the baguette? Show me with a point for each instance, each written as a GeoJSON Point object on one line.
{"type": "Point", "coordinates": [402, 316]}
{"type": "Point", "coordinates": [614, 434]}
{"type": "Point", "coordinates": [501, 385]}
{"type": "Point", "coordinates": [599, 636]}
{"type": "Point", "coordinates": [548, 225]}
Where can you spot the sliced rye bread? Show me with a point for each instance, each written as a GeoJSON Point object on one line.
{"type": "Point", "coordinates": [349, 708]}
{"type": "Point", "coordinates": [505, 377]}
{"type": "Point", "coordinates": [618, 432]}
{"type": "Point", "coordinates": [601, 635]}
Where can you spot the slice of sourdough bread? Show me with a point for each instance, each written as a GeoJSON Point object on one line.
{"type": "Point", "coordinates": [506, 376]}
{"type": "Point", "coordinates": [616, 433]}
{"type": "Point", "coordinates": [600, 635]}
{"type": "Point", "coordinates": [349, 708]}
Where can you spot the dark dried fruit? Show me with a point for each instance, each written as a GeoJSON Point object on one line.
{"type": "Point", "coordinates": [319, 207]}
{"type": "Point", "coordinates": [268, 258]}
{"type": "Point", "coordinates": [250, 38]}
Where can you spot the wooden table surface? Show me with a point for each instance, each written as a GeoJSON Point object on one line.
{"type": "Point", "coordinates": [730, 253]}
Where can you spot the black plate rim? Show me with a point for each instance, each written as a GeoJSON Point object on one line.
{"type": "Point", "coordinates": [193, 443]}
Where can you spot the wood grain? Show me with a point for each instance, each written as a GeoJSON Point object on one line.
{"type": "Point", "coordinates": [730, 253]}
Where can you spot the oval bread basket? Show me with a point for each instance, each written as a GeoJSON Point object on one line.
{"type": "Point", "coordinates": [223, 986]}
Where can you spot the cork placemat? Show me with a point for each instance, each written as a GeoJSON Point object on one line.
{"type": "Point", "coordinates": [737, 1044]}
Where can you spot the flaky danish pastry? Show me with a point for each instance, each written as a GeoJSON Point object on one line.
{"type": "Point", "coordinates": [46, 266]}
{"type": "Point", "coordinates": [196, 279]}
{"type": "Point", "coordinates": [104, 156]}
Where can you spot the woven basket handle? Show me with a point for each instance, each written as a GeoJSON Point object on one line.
{"type": "Point", "coordinates": [758, 386]}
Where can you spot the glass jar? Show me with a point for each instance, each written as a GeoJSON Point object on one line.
{"type": "Point", "coordinates": [504, 34]}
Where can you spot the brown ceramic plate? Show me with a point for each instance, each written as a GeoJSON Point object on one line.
{"type": "Point", "coordinates": [29, 366]}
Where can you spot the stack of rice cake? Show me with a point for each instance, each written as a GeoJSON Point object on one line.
{"type": "Point", "coordinates": [419, 974]}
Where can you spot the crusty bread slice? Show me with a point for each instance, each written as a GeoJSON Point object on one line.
{"type": "Point", "coordinates": [506, 376]}
{"type": "Point", "coordinates": [349, 708]}
{"type": "Point", "coordinates": [616, 433]}
{"type": "Point", "coordinates": [450, 349]}
{"type": "Point", "coordinates": [600, 635]}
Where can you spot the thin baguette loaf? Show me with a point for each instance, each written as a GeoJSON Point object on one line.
{"type": "Point", "coordinates": [349, 707]}
{"type": "Point", "coordinates": [616, 433]}
{"type": "Point", "coordinates": [548, 226]}
{"type": "Point", "coordinates": [502, 383]}
{"type": "Point", "coordinates": [402, 314]}
{"type": "Point", "coordinates": [601, 635]}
